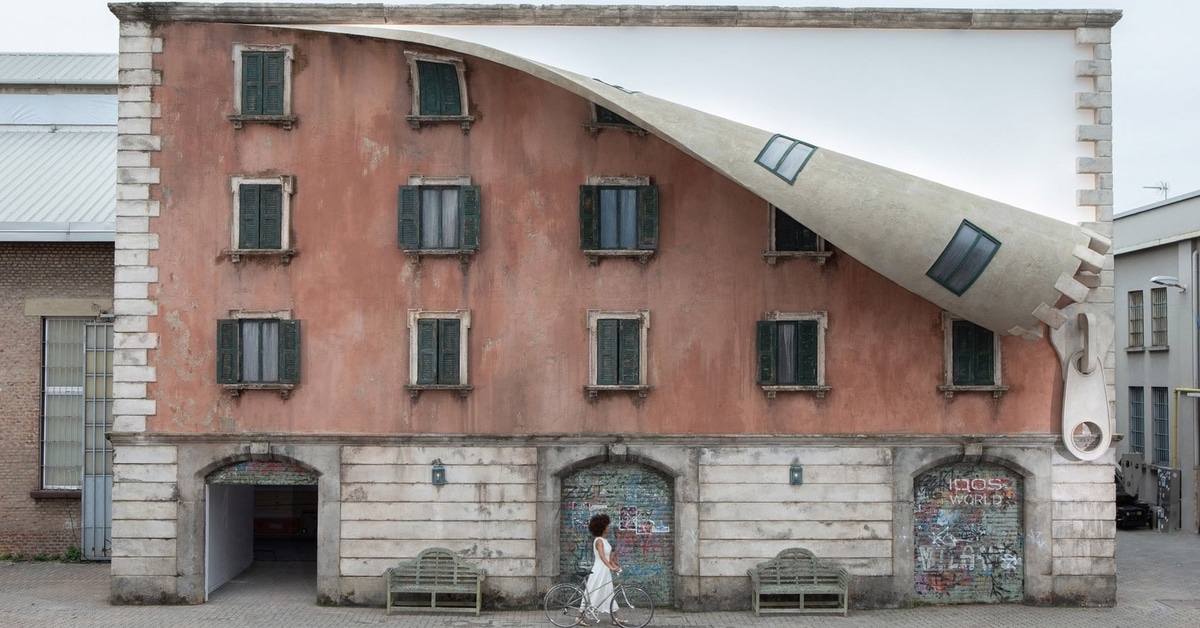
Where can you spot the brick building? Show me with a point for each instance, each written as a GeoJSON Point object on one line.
{"type": "Point", "coordinates": [387, 290]}
{"type": "Point", "coordinates": [58, 137]}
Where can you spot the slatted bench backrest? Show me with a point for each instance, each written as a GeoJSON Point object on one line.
{"type": "Point", "coordinates": [436, 566]}
{"type": "Point", "coordinates": [797, 565]}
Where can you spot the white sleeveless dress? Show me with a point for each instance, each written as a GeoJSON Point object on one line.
{"type": "Point", "coordinates": [599, 583]}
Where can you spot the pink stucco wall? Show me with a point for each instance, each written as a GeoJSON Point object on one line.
{"type": "Point", "coordinates": [528, 287]}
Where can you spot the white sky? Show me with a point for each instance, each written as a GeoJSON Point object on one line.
{"type": "Point", "coordinates": [1155, 70]}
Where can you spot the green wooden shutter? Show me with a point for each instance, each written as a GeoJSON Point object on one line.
{"type": "Point", "coordinates": [806, 346]}
{"type": "Point", "coordinates": [765, 332]}
{"type": "Point", "coordinates": [606, 352]}
{"type": "Point", "coordinates": [249, 224]}
{"type": "Point", "coordinates": [589, 217]}
{"type": "Point", "coordinates": [252, 83]}
{"type": "Point", "coordinates": [409, 223]}
{"type": "Point", "coordinates": [229, 358]}
{"type": "Point", "coordinates": [962, 350]}
{"type": "Point", "coordinates": [468, 217]}
{"type": "Point", "coordinates": [439, 89]}
{"type": "Point", "coordinates": [427, 350]}
{"type": "Point", "coordinates": [985, 357]}
{"type": "Point", "coordinates": [270, 213]}
{"type": "Point", "coordinates": [289, 352]}
{"type": "Point", "coordinates": [629, 351]}
{"type": "Point", "coordinates": [647, 217]}
{"type": "Point", "coordinates": [273, 83]}
{"type": "Point", "coordinates": [448, 354]}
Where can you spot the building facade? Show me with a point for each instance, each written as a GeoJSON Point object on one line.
{"type": "Point", "coordinates": [1156, 249]}
{"type": "Point", "coordinates": [386, 290]}
{"type": "Point", "coordinates": [58, 135]}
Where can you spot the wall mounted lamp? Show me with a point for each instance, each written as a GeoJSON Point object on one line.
{"type": "Point", "coordinates": [1167, 280]}
{"type": "Point", "coordinates": [438, 476]}
{"type": "Point", "coordinates": [796, 474]}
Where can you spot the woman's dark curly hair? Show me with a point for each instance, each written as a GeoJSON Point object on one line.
{"type": "Point", "coordinates": [598, 523]}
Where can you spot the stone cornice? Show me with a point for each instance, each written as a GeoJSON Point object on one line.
{"type": "Point", "coordinates": [615, 15]}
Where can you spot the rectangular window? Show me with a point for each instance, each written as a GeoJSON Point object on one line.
{"type": "Point", "coordinates": [1158, 317]}
{"type": "Point", "coordinates": [1137, 419]}
{"type": "Point", "coordinates": [439, 90]}
{"type": "Point", "coordinates": [618, 218]}
{"type": "Point", "coordinates": [974, 355]}
{"type": "Point", "coordinates": [785, 157]}
{"type": "Point", "coordinates": [791, 349]}
{"type": "Point", "coordinates": [965, 257]}
{"type": "Point", "coordinates": [618, 348]}
{"type": "Point", "coordinates": [1136, 320]}
{"type": "Point", "coordinates": [262, 84]}
{"type": "Point", "coordinates": [260, 216]}
{"type": "Point", "coordinates": [438, 348]}
{"type": "Point", "coordinates": [1160, 409]}
{"type": "Point", "coordinates": [442, 218]}
{"type": "Point", "coordinates": [787, 234]}
{"type": "Point", "coordinates": [76, 400]}
{"type": "Point", "coordinates": [258, 351]}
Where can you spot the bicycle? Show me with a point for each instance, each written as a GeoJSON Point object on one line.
{"type": "Point", "coordinates": [568, 605]}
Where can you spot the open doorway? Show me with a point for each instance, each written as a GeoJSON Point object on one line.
{"type": "Point", "coordinates": [261, 517]}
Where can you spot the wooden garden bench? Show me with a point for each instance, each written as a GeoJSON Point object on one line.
{"type": "Point", "coordinates": [797, 581]}
{"type": "Point", "coordinates": [435, 571]}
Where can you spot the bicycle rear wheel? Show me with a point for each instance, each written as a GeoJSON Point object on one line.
{"type": "Point", "coordinates": [564, 605]}
{"type": "Point", "coordinates": [632, 606]}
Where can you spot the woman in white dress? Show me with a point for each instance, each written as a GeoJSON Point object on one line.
{"type": "Point", "coordinates": [599, 583]}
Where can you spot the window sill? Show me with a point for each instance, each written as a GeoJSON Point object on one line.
{"type": "Point", "coordinates": [55, 493]}
{"type": "Point", "coordinates": [236, 255]}
{"type": "Point", "coordinates": [416, 121]}
{"type": "Point", "coordinates": [641, 255]}
{"type": "Point", "coordinates": [285, 390]}
{"type": "Point", "coordinates": [949, 391]}
{"type": "Point", "coordinates": [1158, 348]}
{"type": "Point", "coordinates": [594, 390]}
{"type": "Point", "coordinates": [772, 257]}
{"type": "Point", "coordinates": [464, 255]}
{"type": "Point", "coordinates": [287, 122]}
{"type": "Point", "coordinates": [595, 127]}
{"type": "Point", "coordinates": [1134, 349]}
{"type": "Point", "coordinates": [819, 390]}
{"type": "Point", "coordinates": [415, 390]}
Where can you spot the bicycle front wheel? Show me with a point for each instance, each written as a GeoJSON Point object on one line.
{"type": "Point", "coordinates": [632, 607]}
{"type": "Point", "coordinates": [564, 605]}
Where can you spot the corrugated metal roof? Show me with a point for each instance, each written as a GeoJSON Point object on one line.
{"type": "Point", "coordinates": [63, 178]}
{"type": "Point", "coordinates": [58, 69]}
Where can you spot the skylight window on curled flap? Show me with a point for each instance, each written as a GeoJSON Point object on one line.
{"type": "Point", "coordinates": [785, 157]}
{"type": "Point", "coordinates": [964, 258]}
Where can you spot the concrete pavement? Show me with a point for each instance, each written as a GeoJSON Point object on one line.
{"type": "Point", "coordinates": [1158, 585]}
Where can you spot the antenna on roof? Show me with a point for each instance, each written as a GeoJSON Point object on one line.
{"type": "Point", "coordinates": [1162, 186]}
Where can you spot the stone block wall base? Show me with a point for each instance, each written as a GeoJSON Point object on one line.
{"type": "Point", "coordinates": [1082, 591]}
{"type": "Point", "coordinates": [133, 590]}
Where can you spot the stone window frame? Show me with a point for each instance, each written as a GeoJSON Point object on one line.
{"type": "Point", "coordinates": [642, 388]}
{"type": "Point", "coordinates": [772, 256]}
{"type": "Point", "coordinates": [285, 390]}
{"type": "Point", "coordinates": [948, 387]}
{"type": "Point", "coordinates": [642, 256]}
{"type": "Point", "coordinates": [821, 387]}
{"type": "Point", "coordinates": [416, 119]}
{"type": "Point", "coordinates": [287, 120]}
{"type": "Point", "coordinates": [285, 251]}
{"type": "Point", "coordinates": [464, 387]}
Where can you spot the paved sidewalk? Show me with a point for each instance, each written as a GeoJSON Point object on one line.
{"type": "Point", "coordinates": [1158, 585]}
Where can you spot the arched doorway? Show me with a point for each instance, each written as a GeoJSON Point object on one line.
{"type": "Point", "coordinates": [641, 503]}
{"type": "Point", "coordinates": [969, 534]}
{"type": "Point", "coordinates": [259, 512]}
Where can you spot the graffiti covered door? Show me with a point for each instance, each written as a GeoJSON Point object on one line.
{"type": "Point", "coordinates": [641, 503]}
{"type": "Point", "coordinates": [969, 539]}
